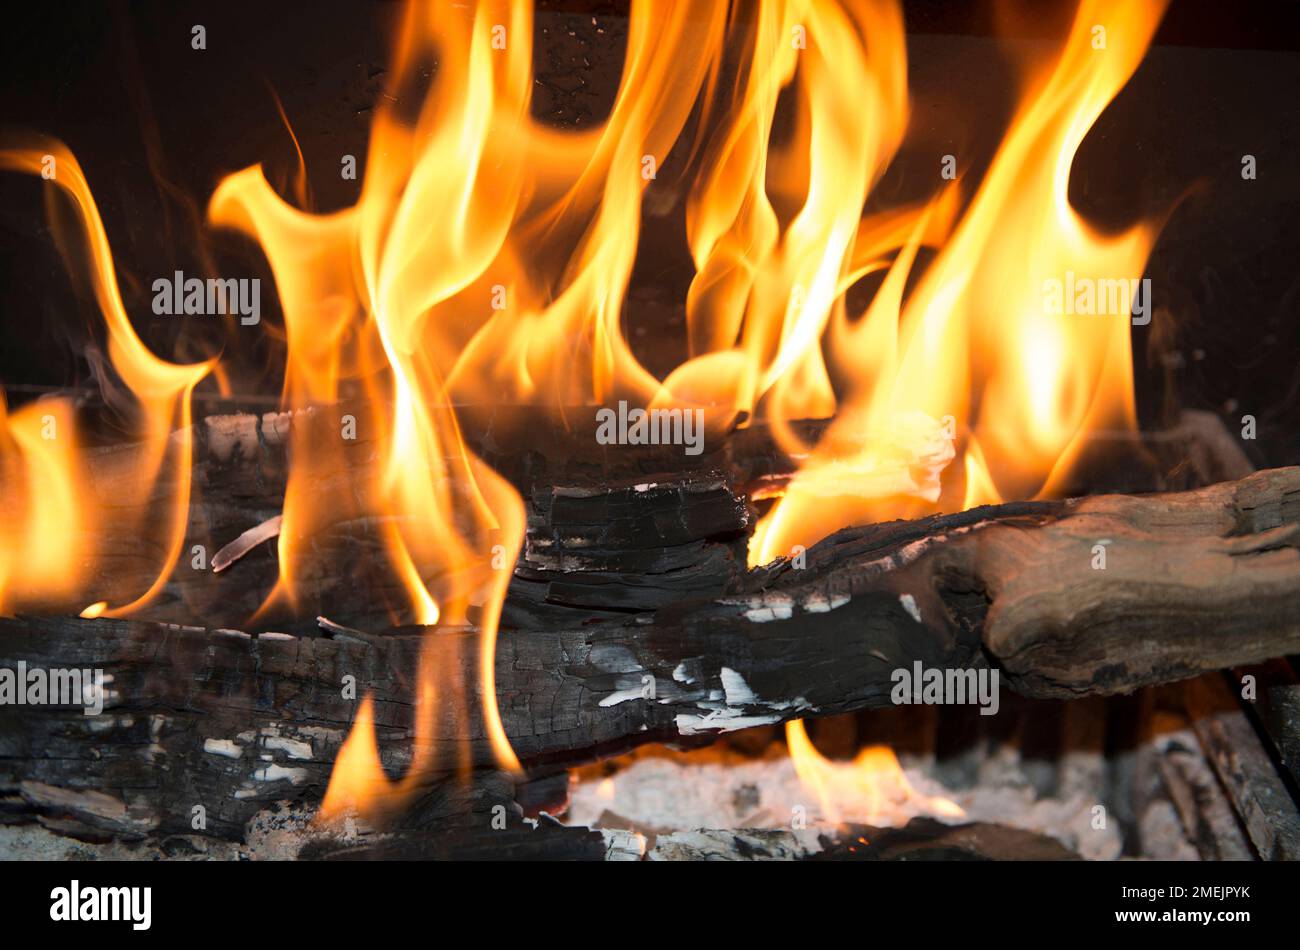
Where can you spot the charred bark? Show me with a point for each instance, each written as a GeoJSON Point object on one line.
{"type": "Point", "coordinates": [611, 530]}
{"type": "Point", "coordinates": [234, 721]}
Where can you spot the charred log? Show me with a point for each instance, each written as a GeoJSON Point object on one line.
{"type": "Point", "coordinates": [610, 530]}
{"type": "Point", "coordinates": [233, 721]}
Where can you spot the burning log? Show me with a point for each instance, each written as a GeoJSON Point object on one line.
{"type": "Point", "coordinates": [632, 616]}
{"type": "Point", "coordinates": [608, 531]}
{"type": "Point", "coordinates": [1093, 596]}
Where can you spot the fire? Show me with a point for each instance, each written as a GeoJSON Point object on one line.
{"type": "Point", "coordinates": [358, 778]}
{"type": "Point", "coordinates": [370, 296]}
{"type": "Point", "coordinates": [48, 551]}
{"type": "Point", "coordinates": [486, 262]}
{"type": "Point", "coordinates": [40, 490]}
{"type": "Point", "coordinates": [872, 789]}
{"type": "Point", "coordinates": [358, 785]}
{"type": "Point", "coordinates": [978, 342]}
{"type": "Point", "coordinates": [763, 296]}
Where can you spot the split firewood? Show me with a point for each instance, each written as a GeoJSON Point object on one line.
{"type": "Point", "coordinates": [1258, 792]}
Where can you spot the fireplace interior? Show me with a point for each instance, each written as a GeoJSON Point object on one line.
{"type": "Point", "coordinates": [574, 430]}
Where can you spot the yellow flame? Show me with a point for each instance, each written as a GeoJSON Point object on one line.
{"type": "Point", "coordinates": [872, 789]}
{"type": "Point", "coordinates": [980, 489]}
{"type": "Point", "coordinates": [59, 527]}
{"type": "Point", "coordinates": [42, 505]}
{"type": "Point", "coordinates": [486, 261]}
{"type": "Point", "coordinates": [376, 295]}
{"type": "Point", "coordinates": [980, 327]}
{"type": "Point", "coordinates": [357, 780]}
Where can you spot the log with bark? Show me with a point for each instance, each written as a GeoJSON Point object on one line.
{"type": "Point", "coordinates": [234, 721]}
{"type": "Point", "coordinates": [610, 529]}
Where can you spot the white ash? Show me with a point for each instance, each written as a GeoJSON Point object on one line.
{"type": "Point", "coordinates": [722, 845]}
{"type": "Point", "coordinates": [820, 603]}
{"type": "Point", "coordinates": [719, 790]}
{"type": "Point", "coordinates": [623, 696]}
{"type": "Point", "coordinates": [737, 690]}
{"type": "Point", "coordinates": [293, 748]}
{"type": "Point", "coordinates": [226, 747]}
{"type": "Point", "coordinates": [623, 845]}
{"type": "Point", "coordinates": [769, 613]}
{"type": "Point", "coordinates": [724, 719]}
{"type": "Point", "coordinates": [279, 773]}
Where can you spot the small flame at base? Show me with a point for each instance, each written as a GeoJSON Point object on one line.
{"type": "Point", "coordinates": [872, 789]}
{"type": "Point", "coordinates": [357, 783]}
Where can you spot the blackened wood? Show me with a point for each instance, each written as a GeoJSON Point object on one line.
{"type": "Point", "coordinates": [1276, 703]}
{"type": "Point", "coordinates": [612, 530]}
{"type": "Point", "coordinates": [542, 840]}
{"type": "Point", "coordinates": [1183, 809]}
{"type": "Point", "coordinates": [924, 839]}
{"type": "Point", "coordinates": [231, 721]}
{"type": "Point", "coordinates": [921, 839]}
{"type": "Point", "coordinates": [1262, 801]}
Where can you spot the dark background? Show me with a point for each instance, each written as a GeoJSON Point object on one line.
{"type": "Point", "coordinates": [156, 125]}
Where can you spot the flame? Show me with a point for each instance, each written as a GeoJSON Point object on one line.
{"type": "Point", "coordinates": [980, 489]}
{"type": "Point", "coordinates": [370, 296]}
{"type": "Point", "coordinates": [872, 789]}
{"type": "Point", "coordinates": [486, 262]}
{"type": "Point", "coordinates": [52, 545]}
{"type": "Point", "coordinates": [357, 780]}
{"type": "Point", "coordinates": [764, 294]}
{"type": "Point", "coordinates": [358, 785]}
{"type": "Point", "coordinates": [40, 495]}
{"type": "Point", "coordinates": [977, 330]}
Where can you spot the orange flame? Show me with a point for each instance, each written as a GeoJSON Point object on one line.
{"type": "Point", "coordinates": [358, 785]}
{"type": "Point", "coordinates": [41, 498]}
{"type": "Point", "coordinates": [978, 329]}
{"type": "Point", "coordinates": [872, 789]}
{"type": "Point", "coordinates": [487, 260]}
{"type": "Point", "coordinates": [373, 294]}
{"type": "Point", "coordinates": [53, 542]}
{"type": "Point", "coordinates": [357, 779]}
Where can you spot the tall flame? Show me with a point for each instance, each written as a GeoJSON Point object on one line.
{"type": "Point", "coordinates": [977, 331]}
{"type": "Point", "coordinates": [370, 293]}
{"type": "Point", "coordinates": [50, 547]}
